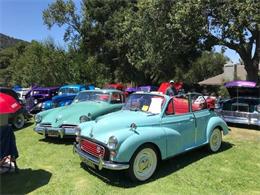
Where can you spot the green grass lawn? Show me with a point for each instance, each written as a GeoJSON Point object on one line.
{"type": "Point", "coordinates": [50, 167]}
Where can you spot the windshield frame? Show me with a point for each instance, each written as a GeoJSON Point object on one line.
{"type": "Point", "coordinates": [144, 107]}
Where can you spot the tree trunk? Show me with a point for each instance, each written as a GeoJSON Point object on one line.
{"type": "Point", "coordinates": [251, 64]}
{"type": "Point", "coordinates": [252, 70]}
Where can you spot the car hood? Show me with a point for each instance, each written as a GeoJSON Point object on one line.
{"type": "Point", "coordinates": [66, 96]}
{"type": "Point", "coordinates": [70, 114]}
{"type": "Point", "coordinates": [118, 123]}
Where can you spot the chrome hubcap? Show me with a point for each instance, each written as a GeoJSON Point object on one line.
{"type": "Point", "coordinates": [145, 164]}
{"type": "Point", "coordinates": [215, 140]}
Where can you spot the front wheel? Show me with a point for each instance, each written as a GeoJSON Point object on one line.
{"type": "Point", "coordinates": [215, 140]}
{"type": "Point", "coordinates": [143, 163]}
{"type": "Point", "coordinates": [19, 121]}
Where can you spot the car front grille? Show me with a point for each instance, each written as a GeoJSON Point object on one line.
{"type": "Point", "coordinates": [92, 148]}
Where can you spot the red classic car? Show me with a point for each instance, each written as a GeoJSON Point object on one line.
{"type": "Point", "coordinates": [11, 110]}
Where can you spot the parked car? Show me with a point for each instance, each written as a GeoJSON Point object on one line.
{"type": "Point", "coordinates": [12, 109]}
{"type": "Point", "coordinates": [244, 105]}
{"type": "Point", "coordinates": [65, 96]}
{"type": "Point", "coordinates": [22, 92]}
{"type": "Point", "coordinates": [87, 106]}
{"type": "Point", "coordinates": [147, 88]}
{"type": "Point", "coordinates": [151, 126]}
{"type": "Point", "coordinates": [37, 96]}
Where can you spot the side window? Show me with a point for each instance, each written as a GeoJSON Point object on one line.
{"type": "Point", "coordinates": [170, 109]}
{"type": "Point", "coordinates": [198, 102]}
{"type": "Point", "coordinates": [181, 105]}
{"type": "Point", "coordinates": [116, 98]}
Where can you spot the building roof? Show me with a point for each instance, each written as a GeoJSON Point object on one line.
{"type": "Point", "coordinates": [227, 75]}
{"type": "Point", "coordinates": [216, 80]}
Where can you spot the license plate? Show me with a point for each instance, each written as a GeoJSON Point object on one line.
{"type": "Point", "coordinates": [89, 163]}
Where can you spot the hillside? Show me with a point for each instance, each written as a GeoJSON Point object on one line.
{"type": "Point", "coordinates": [6, 41]}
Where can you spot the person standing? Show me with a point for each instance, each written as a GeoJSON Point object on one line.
{"type": "Point", "coordinates": [171, 91]}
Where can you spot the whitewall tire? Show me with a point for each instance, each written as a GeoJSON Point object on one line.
{"type": "Point", "coordinates": [143, 163]}
{"type": "Point", "coordinates": [215, 140]}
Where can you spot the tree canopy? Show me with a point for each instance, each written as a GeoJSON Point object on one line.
{"type": "Point", "coordinates": [139, 41]}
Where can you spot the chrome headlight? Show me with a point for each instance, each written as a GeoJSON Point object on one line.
{"type": "Point", "coordinates": [112, 143]}
{"type": "Point", "coordinates": [38, 118]}
{"type": "Point", "coordinates": [84, 118]}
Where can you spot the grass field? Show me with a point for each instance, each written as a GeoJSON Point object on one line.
{"type": "Point", "coordinates": [50, 167]}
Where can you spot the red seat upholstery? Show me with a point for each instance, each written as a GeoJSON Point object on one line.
{"type": "Point", "coordinates": [181, 105]}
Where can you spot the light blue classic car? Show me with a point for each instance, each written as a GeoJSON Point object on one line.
{"type": "Point", "coordinates": [150, 126]}
{"type": "Point", "coordinates": [87, 106]}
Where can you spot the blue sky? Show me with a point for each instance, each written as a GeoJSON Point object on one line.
{"type": "Point", "coordinates": [22, 19]}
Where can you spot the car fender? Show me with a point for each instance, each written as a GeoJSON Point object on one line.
{"type": "Point", "coordinates": [215, 122]}
{"type": "Point", "coordinates": [140, 136]}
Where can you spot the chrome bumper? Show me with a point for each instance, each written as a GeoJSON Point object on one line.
{"type": "Point", "coordinates": [240, 117]}
{"type": "Point", "coordinates": [85, 157]}
{"type": "Point", "coordinates": [54, 131]}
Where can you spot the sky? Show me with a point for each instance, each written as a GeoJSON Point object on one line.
{"type": "Point", "coordinates": [22, 19]}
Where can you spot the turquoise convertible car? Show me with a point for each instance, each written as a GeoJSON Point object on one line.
{"type": "Point", "coordinates": [150, 127]}
{"type": "Point", "coordinates": [87, 105]}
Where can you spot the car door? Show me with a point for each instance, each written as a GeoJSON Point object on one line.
{"type": "Point", "coordinates": [179, 126]}
{"type": "Point", "coordinates": [202, 115]}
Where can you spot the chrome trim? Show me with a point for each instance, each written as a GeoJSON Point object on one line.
{"type": "Point", "coordinates": [61, 132]}
{"type": "Point", "coordinates": [98, 161]}
{"type": "Point", "coordinates": [241, 117]}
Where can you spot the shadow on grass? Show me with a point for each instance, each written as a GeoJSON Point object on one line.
{"type": "Point", "coordinates": [244, 126]}
{"type": "Point", "coordinates": [23, 182]}
{"type": "Point", "coordinates": [56, 140]}
{"type": "Point", "coordinates": [165, 168]}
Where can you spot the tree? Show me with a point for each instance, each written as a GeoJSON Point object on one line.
{"type": "Point", "coordinates": [208, 65]}
{"type": "Point", "coordinates": [93, 33]}
{"type": "Point", "coordinates": [234, 24]}
{"type": "Point", "coordinates": [40, 63]}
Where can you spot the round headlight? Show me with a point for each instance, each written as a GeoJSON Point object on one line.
{"type": "Point", "coordinates": [84, 118]}
{"type": "Point", "coordinates": [35, 101]}
{"type": "Point", "coordinates": [38, 118]}
{"type": "Point", "coordinates": [112, 143]}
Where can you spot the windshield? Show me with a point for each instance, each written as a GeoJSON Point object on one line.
{"type": "Point", "coordinates": [145, 102]}
{"type": "Point", "coordinates": [68, 90]}
{"type": "Point", "coordinates": [92, 96]}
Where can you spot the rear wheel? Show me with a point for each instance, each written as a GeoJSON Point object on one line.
{"type": "Point", "coordinates": [215, 140]}
{"type": "Point", "coordinates": [143, 163]}
{"type": "Point", "coordinates": [19, 121]}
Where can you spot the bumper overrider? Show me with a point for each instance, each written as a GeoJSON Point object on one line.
{"type": "Point", "coordinates": [55, 131]}
{"type": "Point", "coordinates": [87, 158]}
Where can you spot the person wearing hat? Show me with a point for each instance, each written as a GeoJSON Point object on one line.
{"type": "Point", "coordinates": [171, 91]}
